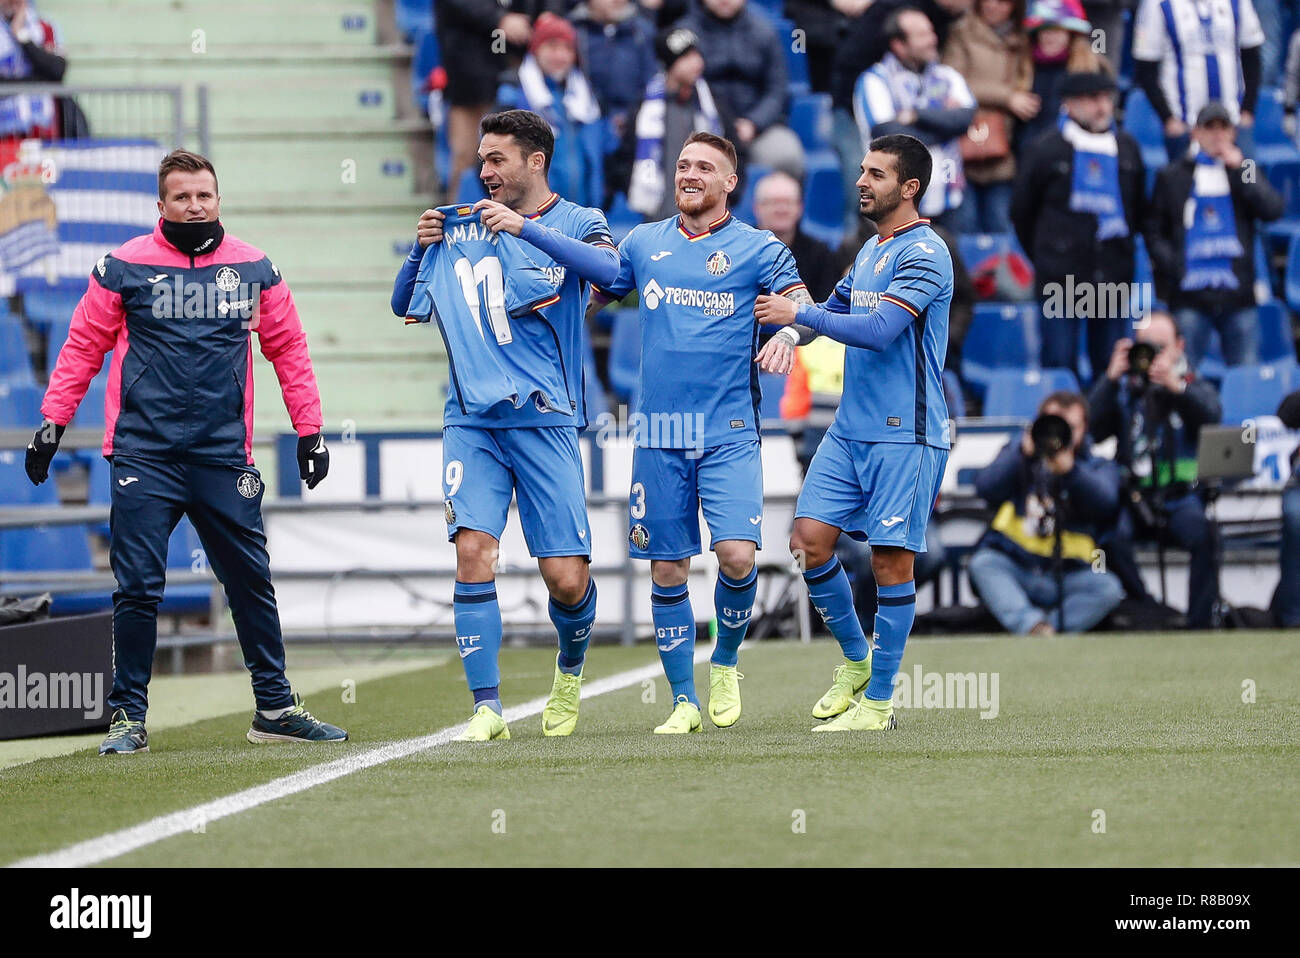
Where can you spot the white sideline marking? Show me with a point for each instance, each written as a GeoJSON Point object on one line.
{"type": "Point", "coordinates": [101, 849]}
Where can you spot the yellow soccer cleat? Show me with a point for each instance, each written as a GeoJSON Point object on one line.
{"type": "Point", "coordinates": [560, 717]}
{"type": "Point", "coordinates": [865, 715]}
{"type": "Point", "coordinates": [724, 695]}
{"type": "Point", "coordinates": [850, 679]}
{"type": "Point", "coordinates": [484, 726]}
{"type": "Point", "coordinates": [685, 719]}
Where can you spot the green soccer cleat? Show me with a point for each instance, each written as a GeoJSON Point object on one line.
{"type": "Point", "coordinates": [484, 726]}
{"type": "Point", "coordinates": [724, 695]}
{"type": "Point", "coordinates": [685, 719]}
{"type": "Point", "coordinates": [295, 725]}
{"type": "Point", "coordinates": [864, 716]}
{"type": "Point", "coordinates": [124, 736]}
{"type": "Point", "coordinates": [560, 717]}
{"type": "Point", "coordinates": [850, 679]}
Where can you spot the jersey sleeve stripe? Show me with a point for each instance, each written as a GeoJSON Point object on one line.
{"type": "Point", "coordinates": [898, 302]}
{"type": "Point", "coordinates": [791, 288]}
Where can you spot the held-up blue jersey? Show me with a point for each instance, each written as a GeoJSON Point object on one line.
{"type": "Point", "coordinates": [896, 394]}
{"type": "Point", "coordinates": [530, 312]}
{"type": "Point", "coordinates": [698, 332]}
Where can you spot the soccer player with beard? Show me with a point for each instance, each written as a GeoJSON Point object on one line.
{"type": "Point", "coordinates": [698, 274]}
{"type": "Point", "coordinates": [529, 453]}
{"type": "Point", "coordinates": [877, 472]}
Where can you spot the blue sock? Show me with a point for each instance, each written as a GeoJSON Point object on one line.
{"type": "Point", "coordinates": [733, 601]}
{"type": "Point", "coordinates": [489, 697]}
{"type": "Point", "coordinates": [478, 637]}
{"type": "Point", "coordinates": [573, 624]}
{"type": "Point", "coordinates": [897, 609]}
{"type": "Point", "coordinates": [828, 585]}
{"type": "Point", "coordinates": [675, 637]}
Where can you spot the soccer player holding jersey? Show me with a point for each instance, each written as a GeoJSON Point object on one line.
{"type": "Point", "coordinates": [877, 472]}
{"type": "Point", "coordinates": [698, 275]}
{"type": "Point", "coordinates": [529, 450]}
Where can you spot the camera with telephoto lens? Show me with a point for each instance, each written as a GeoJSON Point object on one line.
{"type": "Point", "coordinates": [1050, 434]}
{"type": "Point", "coordinates": [1140, 357]}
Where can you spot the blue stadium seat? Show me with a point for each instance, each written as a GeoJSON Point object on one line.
{"type": "Point", "coordinates": [1141, 120]}
{"type": "Point", "coordinates": [1001, 336]}
{"type": "Point", "coordinates": [1272, 145]}
{"type": "Point", "coordinates": [1276, 341]}
{"type": "Point", "coordinates": [51, 305]}
{"type": "Point", "coordinates": [772, 9]}
{"type": "Point", "coordinates": [1016, 393]}
{"type": "Point", "coordinates": [973, 248]}
{"type": "Point", "coordinates": [1284, 175]}
{"type": "Point", "coordinates": [15, 360]}
{"type": "Point", "coordinates": [90, 414]}
{"type": "Point", "coordinates": [621, 218]}
{"type": "Point", "coordinates": [1250, 391]}
{"type": "Point", "coordinates": [414, 17]}
{"type": "Point", "coordinates": [823, 190]}
{"type": "Point", "coordinates": [1291, 280]}
{"type": "Point", "coordinates": [625, 354]}
{"type": "Point", "coordinates": [796, 61]}
{"type": "Point", "coordinates": [1142, 271]}
{"type": "Point", "coordinates": [810, 118]}
{"type": "Point", "coordinates": [423, 60]}
{"type": "Point", "coordinates": [20, 405]}
{"type": "Point", "coordinates": [181, 555]}
{"type": "Point", "coordinates": [743, 209]}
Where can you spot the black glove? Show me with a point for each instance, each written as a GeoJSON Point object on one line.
{"type": "Point", "coordinates": [313, 459]}
{"type": "Point", "coordinates": [41, 450]}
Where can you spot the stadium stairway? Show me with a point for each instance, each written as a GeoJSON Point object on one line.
{"type": "Point", "coordinates": [322, 159]}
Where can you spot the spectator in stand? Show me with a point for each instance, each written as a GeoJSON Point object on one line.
{"type": "Point", "coordinates": [1036, 494]}
{"type": "Point", "coordinates": [1156, 414]}
{"type": "Point", "coordinates": [1286, 600]}
{"type": "Point", "coordinates": [616, 47]}
{"type": "Point", "coordinates": [1107, 19]}
{"type": "Point", "coordinates": [744, 62]}
{"type": "Point", "coordinates": [677, 103]}
{"type": "Point", "coordinates": [1189, 52]}
{"type": "Point", "coordinates": [467, 36]}
{"type": "Point", "coordinates": [664, 13]}
{"type": "Point", "coordinates": [910, 91]}
{"type": "Point", "coordinates": [1078, 206]}
{"type": "Point", "coordinates": [825, 23]}
{"type": "Point", "coordinates": [863, 44]}
{"type": "Point", "coordinates": [1060, 43]}
{"type": "Point", "coordinates": [1270, 51]}
{"type": "Point", "coordinates": [1201, 237]}
{"type": "Point", "coordinates": [990, 49]}
{"type": "Point", "coordinates": [29, 52]}
{"type": "Point", "coordinates": [549, 83]}
{"type": "Point", "coordinates": [778, 206]}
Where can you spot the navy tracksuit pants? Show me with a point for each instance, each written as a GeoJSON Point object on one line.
{"type": "Point", "coordinates": [225, 504]}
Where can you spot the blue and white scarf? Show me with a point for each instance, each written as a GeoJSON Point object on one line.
{"type": "Point", "coordinates": [1094, 186]}
{"type": "Point", "coordinates": [19, 113]}
{"type": "Point", "coordinates": [645, 193]}
{"type": "Point", "coordinates": [580, 104]}
{"type": "Point", "coordinates": [1211, 242]}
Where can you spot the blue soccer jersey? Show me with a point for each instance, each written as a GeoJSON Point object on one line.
{"type": "Point", "coordinates": [698, 333]}
{"type": "Point", "coordinates": [896, 394]}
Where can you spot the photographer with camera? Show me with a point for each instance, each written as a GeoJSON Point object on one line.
{"type": "Point", "coordinates": [1286, 599]}
{"type": "Point", "coordinates": [1153, 402]}
{"type": "Point", "coordinates": [1035, 566]}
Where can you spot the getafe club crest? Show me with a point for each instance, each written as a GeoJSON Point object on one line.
{"type": "Point", "coordinates": [639, 536]}
{"type": "Point", "coordinates": [717, 263]}
{"type": "Point", "coordinates": [248, 485]}
{"type": "Point", "coordinates": [227, 279]}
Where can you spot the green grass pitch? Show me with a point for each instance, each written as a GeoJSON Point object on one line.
{"type": "Point", "coordinates": [1112, 750]}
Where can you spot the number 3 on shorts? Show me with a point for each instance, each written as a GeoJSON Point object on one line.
{"type": "Point", "coordinates": [452, 479]}
{"type": "Point", "coordinates": [638, 500]}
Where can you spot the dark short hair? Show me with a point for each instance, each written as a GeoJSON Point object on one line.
{"type": "Point", "coordinates": [1066, 399]}
{"type": "Point", "coordinates": [530, 131]}
{"type": "Point", "coordinates": [914, 162]}
{"type": "Point", "coordinates": [893, 26]}
{"type": "Point", "coordinates": [719, 143]}
{"type": "Point", "coordinates": [182, 161]}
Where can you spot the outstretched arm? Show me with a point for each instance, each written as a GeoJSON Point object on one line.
{"type": "Point", "coordinates": [777, 354]}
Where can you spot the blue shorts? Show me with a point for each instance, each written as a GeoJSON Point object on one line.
{"type": "Point", "coordinates": [540, 466]}
{"type": "Point", "coordinates": [669, 486]}
{"type": "Point", "coordinates": [882, 492]}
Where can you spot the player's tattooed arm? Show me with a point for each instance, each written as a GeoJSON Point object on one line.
{"type": "Point", "coordinates": [777, 354]}
{"type": "Point", "coordinates": [805, 334]}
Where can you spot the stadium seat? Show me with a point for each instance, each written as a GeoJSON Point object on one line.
{"type": "Point", "coordinates": [976, 247]}
{"type": "Point", "coordinates": [625, 354]}
{"type": "Point", "coordinates": [1276, 340]}
{"type": "Point", "coordinates": [15, 360]}
{"type": "Point", "coordinates": [824, 191]}
{"type": "Point", "coordinates": [183, 549]}
{"type": "Point", "coordinates": [743, 209]}
{"type": "Point", "coordinates": [414, 17]}
{"type": "Point", "coordinates": [51, 306]}
{"type": "Point", "coordinates": [423, 60]}
{"type": "Point", "coordinates": [1016, 394]}
{"type": "Point", "coordinates": [1001, 336]}
{"type": "Point", "coordinates": [1291, 281]}
{"type": "Point", "coordinates": [1250, 391]}
{"type": "Point", "coordinates": [621, 218]}
{"type": "Point", "coordinates": [810, 118]}
{"type": "Point", "coordinates": [1272, 145]}
{"type": "Point", "coordinates": [796, 61]}
{"type": "Point", "coordinates": [20, 405]}
{"type": "Point", "coordinates": [1284, 175]}
{"type": "Point", "coordinates": [1141, 120]}
{"type": "Point", "coordinates": [1142, 271]}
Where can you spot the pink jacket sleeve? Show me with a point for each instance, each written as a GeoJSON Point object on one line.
{"type": "Point", "coordinates": [96, 324]}
{"type": "Point", "coordinates": [284, 343]}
